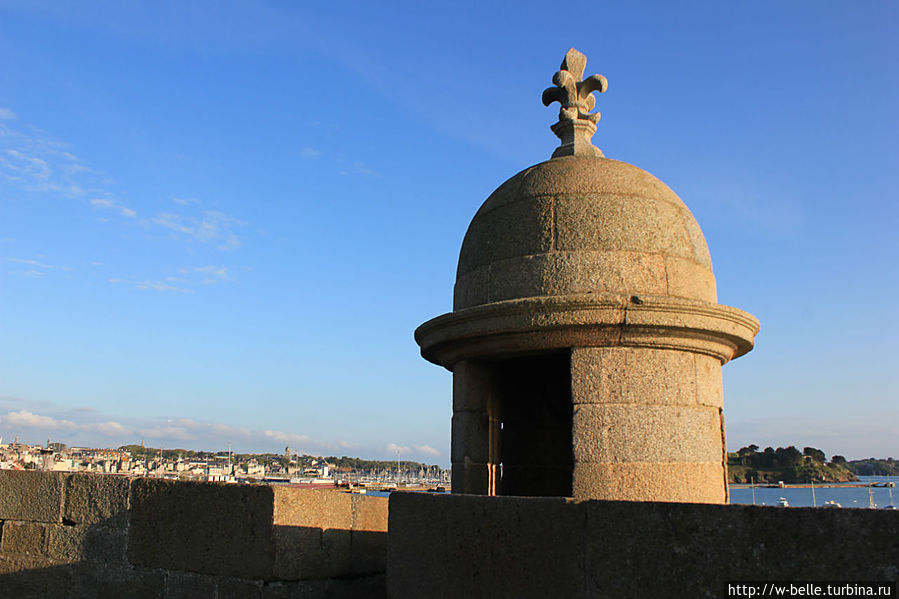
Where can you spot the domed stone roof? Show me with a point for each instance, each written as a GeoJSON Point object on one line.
{"type": "Point", "coordinates": [583, 224]}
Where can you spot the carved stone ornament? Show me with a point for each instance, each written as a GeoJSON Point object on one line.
{"type": "Point", "coordinates": [575, 95]}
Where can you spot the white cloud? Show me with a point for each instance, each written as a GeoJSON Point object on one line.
{"type": "Point", "coordinates": [359, 169]}
{"type": "Point", "coordinates": [285, 437]}
{"type": "Point", "coordinates": [427, 450]}
{"type": "Point", "coordinates": [394, 448]}
{"type": "Point", "coordinates": [210, 274]}
{"type": "Point", "coordinates": [7, 114]}
{"type": "Point", "coordinates": [161, 433]}
{"type": "Point", "coordinates": [212, 226]}
{"type": "Point", "coordinates": [310, 153]}
{"type": "Point", "coordinates": [151, 285]}
{"type": "Point", "coordinates": [27, 419]}
{"type": "Point", "coordinates": [111, 205]}
{"type": "Point", "coordinates": [109, 429]}
{"type": "Point", "coordinates": [34, 274]}
{"type": "Point", "coordinates": [185, 201]}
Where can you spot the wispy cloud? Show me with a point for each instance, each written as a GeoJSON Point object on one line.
{"type": "Point", "coordinates": [359, 169]}
{"type": "Point", "coordinates": [209, 274]}
{"type": "Point", "coordinates": [400, 449]}
{"type": "Point", "coordinates": [38, 268]}
{"type": "Point", "coordinates": [310, 153]}
{"type": "Point", "coordinates": [212, 226]}
{"type": "Point", "coordinates": [147, 285]}
{"type": "Point", "coordinates": [26, 419]}
{"type": "Point", "coordinates": [427, 450]}
{"type": "Point", "coordinates": [286, 437]}
{"type": "Point", "coordinates": [6, 114]}
{"type": "Point", "coordinates": [111, 205]}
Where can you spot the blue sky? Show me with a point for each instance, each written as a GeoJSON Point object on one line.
{"type": "Point", "coordinates": [221, 222]}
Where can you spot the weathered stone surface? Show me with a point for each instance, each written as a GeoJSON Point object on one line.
{"type": "Point", "coordinates": [310, 507]}
{"type": "Point", "coordinates": [92, 499]}
{"type": "Point", "coordinates": [645, 433]}
{"type": "Point", "coordinates": [687, 278]}
{"type": "Point", "coordinates": [24, 538]}
{"type": "Point", "coordinates": [485, 547]}
{"type": "Point", "coordinates": [472, 386]}
{"type": "Point", "coordinates": [470, 437]}
{"type": "Point", "coordinates": [349, 588]}
{"type": "Point", "coordinates": [603, 375]}
{"type": "Point", "coordinates": [369, 536]}
{"type": "Point", "coordinates": [35, 496]}
{"type": "Point", "coordinates": [625, 549]}
{"type": "Point", "coordinates": [202, 527]}
{"type": "Point", "coordinates": [601, 222]}
{"type": "Point", "coordinates": [236, 588]}
{"type": "Point", "coordinates": [565, 272]}
{"type": "Point", "coordinates": [42, 578]}
{"type": "Point", "coordinates": [87, 543]}
{"type": "Point", "coordinates": [709, 389]}
{"type": "Point", "coordinates": [186, 585]}
{"type": "Point", "coordinates": [582, 175]}
{"type": "Point", "coordinates": [651, 481]}
{"type": "Point", "coordinates": [312, 533]}
{"type": "Point", "coordinates": [683, 550]}
{"type": "Point", "coordinates": [516, 229]}
{"type": "Point", "coordinates": [546, 323]}
{"type": "Point", "coordinates": [470, 477]}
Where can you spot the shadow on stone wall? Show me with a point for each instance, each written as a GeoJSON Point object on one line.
{"type": "Point", "coordinates": [79, 535]}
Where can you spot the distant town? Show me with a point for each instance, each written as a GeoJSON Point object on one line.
{"type": "Point", "coordinates": [289, 468]}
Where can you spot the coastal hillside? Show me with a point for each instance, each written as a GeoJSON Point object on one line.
{"type": "Point", "coordinates": [786, 464]}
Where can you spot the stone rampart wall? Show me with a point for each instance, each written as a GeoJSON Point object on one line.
{"type": "Point", "coordinates": [475, 546]}
{"type": "Point", "coordinates": [90, 535]}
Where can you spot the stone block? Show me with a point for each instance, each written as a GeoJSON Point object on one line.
{"type": "Point", "coordinates": [697, 239]}
{"type": "Point", "coordinates": [687, 278]}
{"type": "Point", "coordinates": [32, 496]}
{"type": "Point", "coordinates": [97, 499]}
{"type": "Point", "coordinates": [304, 552]}
{"type": "Point", "coordinates": [470, 477]}
{"type": "Point", "coordinates": [604, 222]}
{"type": "Point", "coordinates": [578, 272]}
{"type": "Point", "coordinates": [369, 536]}
{"type": "Point", "coordinates": [472, 386]}
{"type": "Point", "coordinates": [632, 375]}
{"type": "Point", "coordinates": [207, 528]}
{"type": "Point", "coordinates": [24, 577]}
{"type": "Point", "coordinates": [470, 437]}
{"type": "Point", "coordinates": [641, 481]}
{"type": "Point", "coordinates": [615, 433]}
{"type": "Point", "coordinates": [24, 538]}
{"type": "Point", "coordinates": [312, 507]}
{"type": "Point", "coordinates": [709, 388]}
{"type": "Point", "coordinates": [516, 229]}
{"type": "Point", "coordinates": [485, 546]}
{"type": "Point", "coordinates": [91, 543]}
{"type": "Point", "coordinates": [373, 587]}
{"type": "Point", "coordinates": [471, 289]}
{"type": "Point", "coordinates": [581, 176]}
{"type": "Point", "coordinates": [236, 588]}
{"type": "Point", "coordinates": [187, 585]}
{"type": "Point", "coordinates": [369, 513]}
{"type": "Point", "coordinates": [312, 533]}
{"type": "Point", "coordinates": [683, 550]}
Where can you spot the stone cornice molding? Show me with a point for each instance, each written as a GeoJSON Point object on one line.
{"type": "Point", "coordinates": [549, 323]}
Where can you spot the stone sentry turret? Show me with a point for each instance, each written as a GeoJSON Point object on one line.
{"type": "Point", "coordinates": [586, 341]}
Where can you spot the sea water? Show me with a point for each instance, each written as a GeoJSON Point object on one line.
{"type": "Point", "coordinates": [847, 496]}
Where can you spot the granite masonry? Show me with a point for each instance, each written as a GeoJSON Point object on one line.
{"type": "Point", "coordinates": [588, 449]}
{"type": "Point", "coordinates": [586, 343]}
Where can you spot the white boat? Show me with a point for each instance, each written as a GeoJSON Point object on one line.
{"type": "Point", "coordinates": [831, 504]}
{"type": "Point", "coordinates": [782, 502]}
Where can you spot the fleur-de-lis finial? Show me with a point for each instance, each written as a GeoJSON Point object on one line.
{"type": "Point", "coordinates": [576, 124]}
